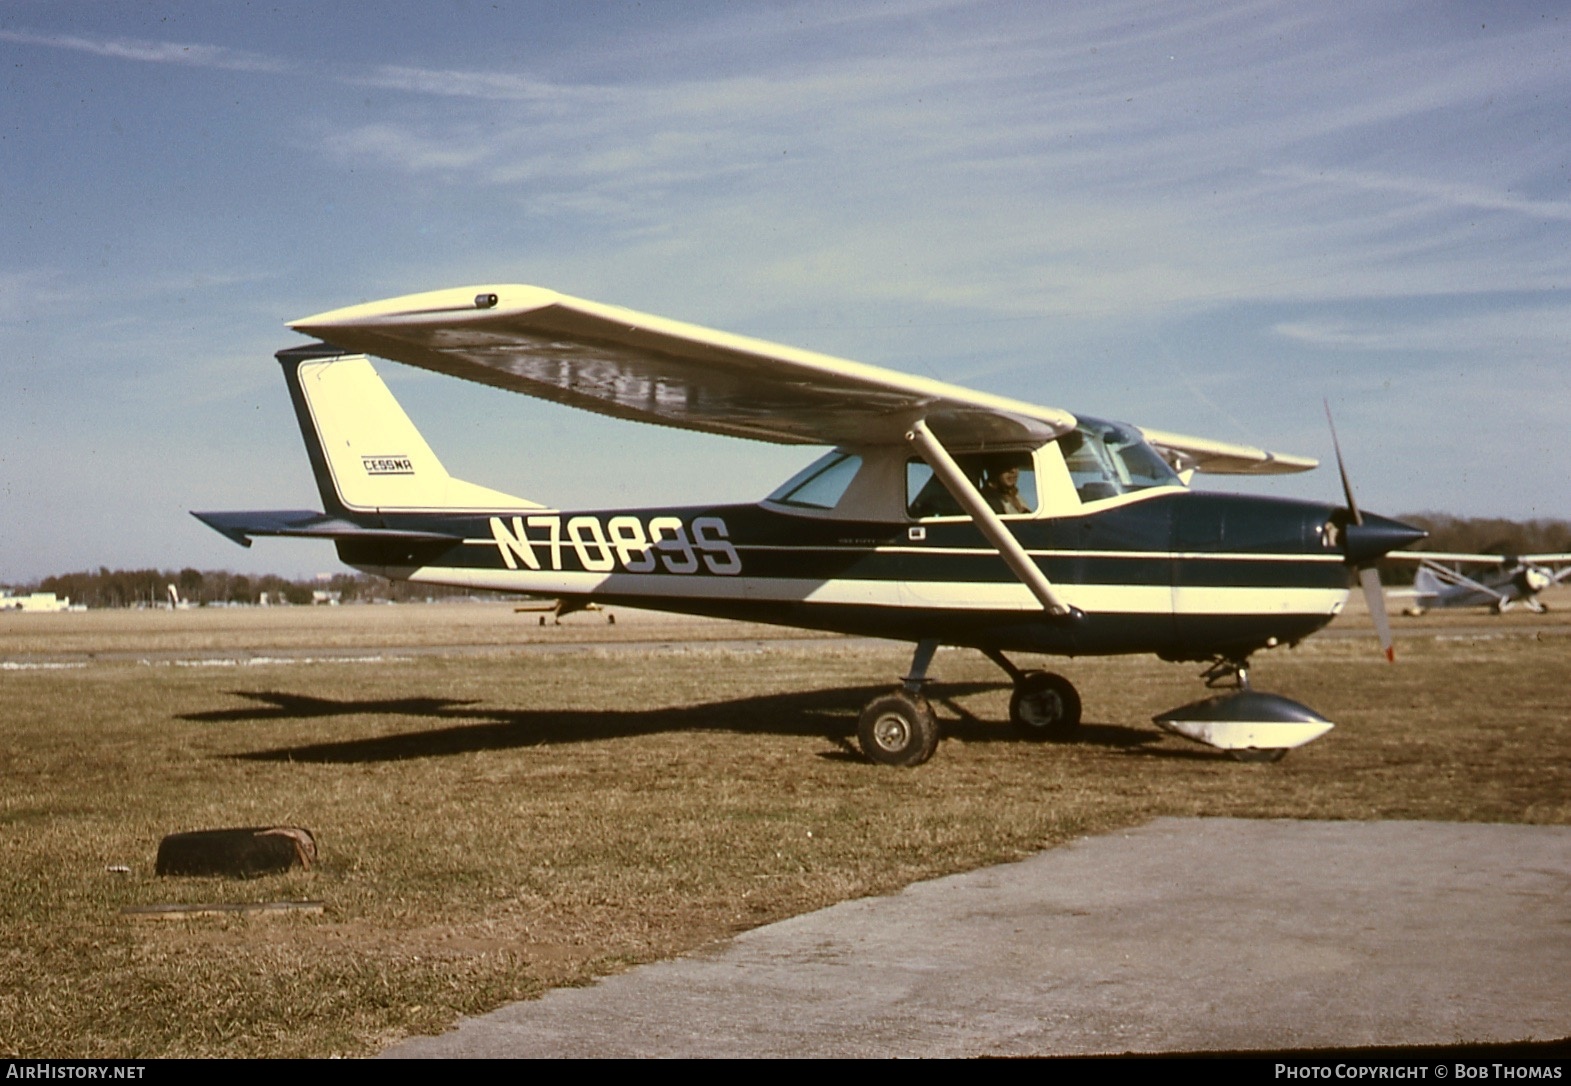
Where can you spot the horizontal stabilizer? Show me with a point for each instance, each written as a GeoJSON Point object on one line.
{"type": "Point", "coordinates": [240, 526]}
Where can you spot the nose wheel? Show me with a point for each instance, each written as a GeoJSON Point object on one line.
{"type": "Point", "coordinates": [1245, 724]}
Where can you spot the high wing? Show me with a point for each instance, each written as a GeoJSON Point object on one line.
{"type": "Point", "coordinates": [1462, 558]}
{"type": "Point", "coordinates": [1188, 454]}
{"type": "Point", "coordinates": [632, 365]}
{"type": "Point", "coordinates": [635, 366]}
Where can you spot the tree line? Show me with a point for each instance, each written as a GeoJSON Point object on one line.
{"type": "Point", "coordinates": [106, 587]}
{"type": "Point", "coordinates": [1491, 535]}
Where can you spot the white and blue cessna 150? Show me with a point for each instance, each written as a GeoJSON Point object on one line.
{"type": "Point", "coordinates": [943, 516]}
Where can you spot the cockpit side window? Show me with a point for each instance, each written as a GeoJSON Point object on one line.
{"type": "Point", "coordinates": [1106, 459]}
{"type": "Point", "coordinates": [821, 484]}
{"type": "Point", "coordinates": [1006, 481]}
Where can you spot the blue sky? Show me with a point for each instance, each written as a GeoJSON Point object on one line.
{"type": "Point", "coordinates": [1201, 218]}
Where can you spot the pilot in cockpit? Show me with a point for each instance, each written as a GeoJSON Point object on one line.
{"type": "Point", "coordinates": [1000, 487]}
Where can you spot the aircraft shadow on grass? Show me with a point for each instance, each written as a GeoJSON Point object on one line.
{"type": "Point", "coordinates": [466, 729]}
{"type": "Point", "coordinates": [276, 705]}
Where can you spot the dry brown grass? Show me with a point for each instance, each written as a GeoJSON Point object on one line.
{"type": "Point", "coordinates": [261, 630]}
{"type": "Point", "coordinates": [494, 825]}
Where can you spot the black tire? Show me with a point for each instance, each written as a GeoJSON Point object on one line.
{"type": "Point", "coordinates": [1258, 755]}
{"type": "Point", "coordinates": [898, 729]}
{"type": "Point", "coordinates": [1044, 706]}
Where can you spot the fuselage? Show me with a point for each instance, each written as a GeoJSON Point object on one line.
{"type": "Point", "coordinates": [1179, 573]}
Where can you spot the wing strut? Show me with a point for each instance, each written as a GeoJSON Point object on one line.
{"type": "Point", "coordinates": [1455, 578]}
{"type": "Point", "coordinates": [970, 499]}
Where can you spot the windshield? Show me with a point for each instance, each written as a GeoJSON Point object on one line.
{"type": "Point", "coordinates": [821, 484]}
{"type": "Point", "coordinates": [1106, 459]}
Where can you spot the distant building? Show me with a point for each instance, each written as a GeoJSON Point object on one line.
{"type": "Point", "coordinates": [37, 601]}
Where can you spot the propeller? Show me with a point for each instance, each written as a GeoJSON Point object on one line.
{"type": "Point", "coordinates": [1365, 543]}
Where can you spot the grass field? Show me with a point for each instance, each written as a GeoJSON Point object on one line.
{"type": "Point", "coordinates": [500, 813]}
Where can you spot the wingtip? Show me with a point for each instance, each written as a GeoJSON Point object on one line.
{"type": "Point", "coordinates": [479, 298]}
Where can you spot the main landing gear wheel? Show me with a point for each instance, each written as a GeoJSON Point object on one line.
{"type": "Point", "coordinates": [1044, 706]}
{"type": "Point", "coordinates": [898, 729]}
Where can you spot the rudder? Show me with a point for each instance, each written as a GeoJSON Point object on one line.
{"type": "Point", "coordinates": [364, 449]}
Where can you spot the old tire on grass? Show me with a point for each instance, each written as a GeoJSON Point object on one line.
{"type": "Point", "coordinates": [244, 852]}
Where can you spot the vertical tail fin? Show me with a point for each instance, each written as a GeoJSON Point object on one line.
{"type": "Point", "coordinates": [365, 452]}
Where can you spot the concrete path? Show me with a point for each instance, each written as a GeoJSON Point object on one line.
{"type": "Point", "coordinates": [1181, 935]}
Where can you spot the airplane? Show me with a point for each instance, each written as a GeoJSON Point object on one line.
{"type": "Point", "coordinates": [559, 609]}
{"type": "Point", "coordinates": [941, 515]}
{"type": "Point", "coordinates": [1440, 584]}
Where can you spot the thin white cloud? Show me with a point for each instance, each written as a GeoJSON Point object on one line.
{"type": "Point", "coordinates": [488, 86]}
{"type": "Point", "coordinates": [1435, 192]}
{"type": "Point", "coordinates": [42, 295]}
{"type": "Point", "coordinates": [153, 52]}
{"type": "Point", "coordinates": [397, 147]}
{"type": "Point", "coordinates": [1537, 333]}
{"type": "Point", "coordinates": [25, 295]}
